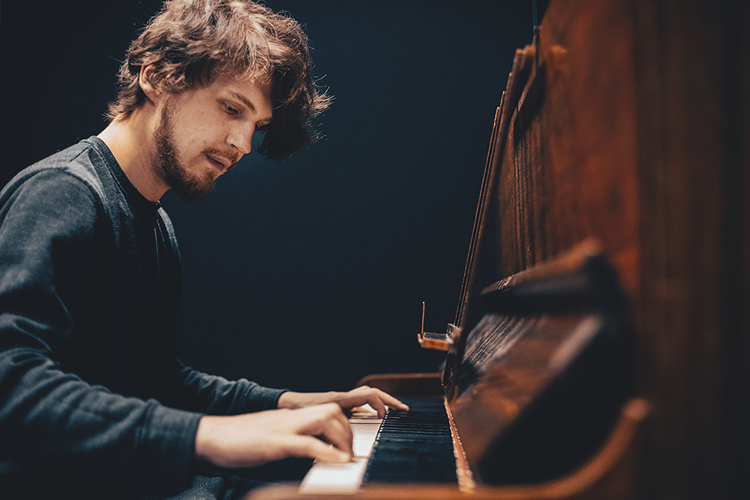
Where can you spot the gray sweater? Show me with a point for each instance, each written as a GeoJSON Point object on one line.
{"type": "Point", "coordinates": [91, 390]}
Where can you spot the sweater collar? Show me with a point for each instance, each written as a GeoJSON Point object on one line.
{"type": "Point", "coordinates": [139, 201]}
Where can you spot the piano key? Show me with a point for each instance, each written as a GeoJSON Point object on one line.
{"type": "Point", "coordinates": [346, 478]}
{"type": "Point", "coordinates": [334, 478]}
{"type": "Point", "coordinates": [416, 445]}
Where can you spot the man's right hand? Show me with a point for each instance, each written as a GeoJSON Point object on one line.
{"type": "Point", "coordinates": [253, 439]}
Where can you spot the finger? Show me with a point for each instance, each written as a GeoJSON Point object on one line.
{"type": "Point", "coordinates": [377, 404]}
{"type": "Point", "coordinates": [329, 423]}
{"type": "Point", "coordinates": [338, 434]}
{"type": "Point", "coordinates": [319, 414]}
{"type": "Point", "coordinates": [340, 415]}
{"type": "Point", "coordinates": [391, 401]}
{"type": "Point", "coordinates": [385, 398]}
{"type": "Point", "coordinates": [311, 447]}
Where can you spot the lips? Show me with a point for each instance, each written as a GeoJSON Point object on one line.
{"type": "Point", "coordinates": [220, 164]}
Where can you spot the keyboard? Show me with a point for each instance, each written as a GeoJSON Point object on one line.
{"type": "Point", "coordinates": [414, 446]}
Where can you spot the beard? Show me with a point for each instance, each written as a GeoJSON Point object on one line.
{"type": "Point", "coordinates": [186, 185]}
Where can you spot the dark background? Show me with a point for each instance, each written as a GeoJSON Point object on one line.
{"type": "Point", "coordinates": [309, 273]}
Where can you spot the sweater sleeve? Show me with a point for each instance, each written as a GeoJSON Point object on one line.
{"type": "Point", "coordinates": [49, 417]}
{"type": "Point", "coordinates": [218, 396]}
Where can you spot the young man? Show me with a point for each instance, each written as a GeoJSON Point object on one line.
{"type": "Point", "coordinates": [93, 401]}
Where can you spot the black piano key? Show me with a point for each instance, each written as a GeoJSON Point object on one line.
{"type": "Point", "coordinates": [414, 446]}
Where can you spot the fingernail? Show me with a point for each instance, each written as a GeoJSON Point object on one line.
{"type": "Point", "coordinates": [344, 457]}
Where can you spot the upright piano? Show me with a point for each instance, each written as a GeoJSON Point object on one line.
{"type": "Point", "coordinates": [537, 394]}
{"type": "Point", "coordinates": [602, 267]}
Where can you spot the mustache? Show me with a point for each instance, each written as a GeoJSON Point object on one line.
{"type": "Point", "coordinates": [232, 157]}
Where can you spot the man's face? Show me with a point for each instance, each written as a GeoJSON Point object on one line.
{"type": "Point", "coordinates": [203, 132]}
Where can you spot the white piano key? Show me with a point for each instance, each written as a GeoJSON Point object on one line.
{"type": "Point", "coordinates": [346, 478]}
{"type": "Point", "coordinates": [334, 478]}
{"type": "Point", "coordinates": [364, 437]}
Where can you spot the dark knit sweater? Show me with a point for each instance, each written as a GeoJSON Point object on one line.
{"type": "Point", "coordinates": [90, 384]}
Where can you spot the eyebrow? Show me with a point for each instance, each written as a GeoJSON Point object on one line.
{"type": "Point", "coordinates": [244, 100]}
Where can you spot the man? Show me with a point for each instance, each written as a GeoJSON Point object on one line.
{"type": "Point", "coordinates": [93, 401]}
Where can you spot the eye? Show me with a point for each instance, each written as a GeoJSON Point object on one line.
{"type": "Point", "coordinates": [262, 128]}
{"type": "Point", "coordinates": [229, 109]}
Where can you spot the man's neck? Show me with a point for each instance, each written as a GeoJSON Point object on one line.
{"type": "Point", "coordinates": [130, 140]}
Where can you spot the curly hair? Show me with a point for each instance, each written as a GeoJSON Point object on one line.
{"type": "Point", "coordinates": [191, 42]}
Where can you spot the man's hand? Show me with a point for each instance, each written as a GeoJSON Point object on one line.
{"type": "Point", "coordinates": [347, 400]}
{"type": "Point", "coordinates": [256, 438]}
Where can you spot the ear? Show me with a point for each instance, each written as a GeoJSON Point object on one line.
{"type": "Point", "coordinates": [144, 80]}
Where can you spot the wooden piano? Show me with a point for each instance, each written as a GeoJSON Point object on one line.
{"type": "Point", "coordinates": [600, 348]}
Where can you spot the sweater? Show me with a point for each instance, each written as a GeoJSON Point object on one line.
{"type": "Point", "coordinates": [91, 390]}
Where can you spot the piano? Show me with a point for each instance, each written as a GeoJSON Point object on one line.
{"type": "Point", "coordinates": [602, 268]}
{"type": "Point", "coordinates": [528, 396]}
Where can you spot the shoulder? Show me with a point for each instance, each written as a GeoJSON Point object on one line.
{"type": "Point", "coordinates": [62, 187]}
{"type": "Point", "coordinates": [73, 167]}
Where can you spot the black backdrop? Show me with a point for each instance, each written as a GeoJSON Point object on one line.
{"type": "Point", "coordinates": [309, 273]}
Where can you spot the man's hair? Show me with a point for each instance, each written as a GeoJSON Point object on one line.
{"type": "Point", "coordinates": [191, 42]}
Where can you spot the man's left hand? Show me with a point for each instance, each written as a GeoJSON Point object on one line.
{"type": "Point", "coordinates": [360, 396]}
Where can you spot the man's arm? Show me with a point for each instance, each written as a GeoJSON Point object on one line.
{"type": "Point", "coordinates": [216, 395]}
{"type": "Point", "coordinates": [311, 425]}
{"type": "Point", "coordinates": [51, 418]}
{"type": "Point", "coordinates": [56, 421]}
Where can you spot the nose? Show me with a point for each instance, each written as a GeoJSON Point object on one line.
{"type": "Point", "coordinates": [242, 138]}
